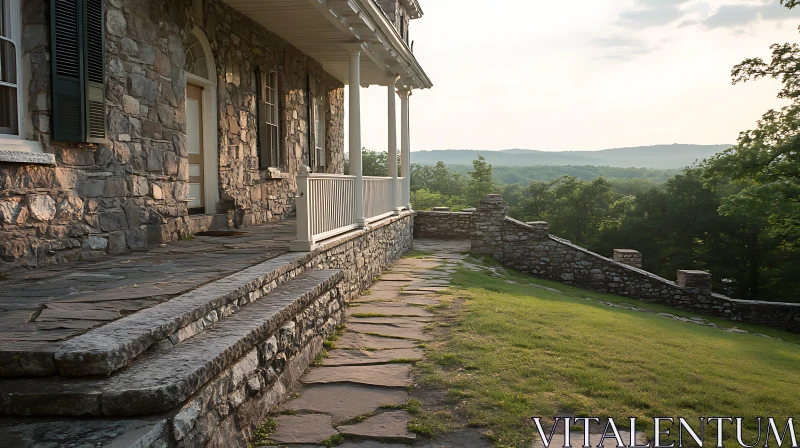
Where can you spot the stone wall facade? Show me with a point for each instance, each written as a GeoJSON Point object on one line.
{"type": "Point", "coordinates": [443, 225]}
{"type": "Point", "coordinates": [396, 12]}
{"type": "Point", "coordinates": [531, 249]}
{"type": "Point", "coordinates": [115, 197]}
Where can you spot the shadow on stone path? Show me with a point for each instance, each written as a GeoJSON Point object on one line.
{"type": "Point", "coordinates": [348, 397]}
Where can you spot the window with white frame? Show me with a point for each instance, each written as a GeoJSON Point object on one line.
{"type": "Point", "coordinates": [9, 68]}
{"type": "Point", "coordinates": [269, 150]}
{"type": "Point", "coordinates": [319, 135]}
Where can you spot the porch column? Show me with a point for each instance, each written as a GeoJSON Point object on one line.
{"type": "Point", "coordinates": [392, 154]}
{"type": "Point", "coordinates": [405, 147]}
{"type": "Point", "coordinates": [355, 136]}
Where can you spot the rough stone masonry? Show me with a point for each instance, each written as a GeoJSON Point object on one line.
{"type": "Point", "coordinates": [85, 200]}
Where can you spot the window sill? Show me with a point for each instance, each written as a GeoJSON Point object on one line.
{"type": "Point", "coordinates": [277, 174]}
{"type": "Point", "coordinates": [24, 151]}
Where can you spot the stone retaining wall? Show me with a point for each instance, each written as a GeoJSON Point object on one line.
{"type": "Point", "coordinates": [226, 411]}
{"type": "Point", "coordinates": [362, 255]}
{"type": "Point", "coordinates": [443, 225]}
{"type": "Point", "coordinates": [365, 254]}
{"type": "Point", "coordinates": [531, 249]}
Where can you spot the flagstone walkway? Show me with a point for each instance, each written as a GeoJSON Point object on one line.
{"type": "Point", "coordinates": [39, 308]}
{"type": "Point", "coordinates": [370, 366]}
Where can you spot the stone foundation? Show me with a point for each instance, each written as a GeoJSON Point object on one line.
{"type": "Point", "coordinates": [227, 410]}
{"type": "Point", "coordinates": [365, 254]}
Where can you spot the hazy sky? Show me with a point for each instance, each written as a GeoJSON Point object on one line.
{"type": "Point", "coordinates": [585, 74]}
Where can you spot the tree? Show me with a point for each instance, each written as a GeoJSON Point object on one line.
{"type": "Point", "coordinates": [761, 175]}
{"type": "Point", "coordinates": [536, 203]}
{"type": "Point", "coordinates": [373, 163]}
{"type": "Point", "coordinates": [436, 186]}
{"type": "Point", "coordinates": [481, 182]}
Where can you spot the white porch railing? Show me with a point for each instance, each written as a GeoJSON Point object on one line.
{"type": "Point", "coordinates": [378, 202]}
{"type": "Point", "coordinates": [325, 204]}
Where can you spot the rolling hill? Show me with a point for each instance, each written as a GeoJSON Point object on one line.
{"type": "Point", "coordinates": [675, 156]}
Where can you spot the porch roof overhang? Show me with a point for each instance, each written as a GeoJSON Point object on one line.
{"type": "Point", "coordinates": [328, 30]}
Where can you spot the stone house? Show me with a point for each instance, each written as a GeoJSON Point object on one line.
{"type": "Point", "coordinates": [127, 123]}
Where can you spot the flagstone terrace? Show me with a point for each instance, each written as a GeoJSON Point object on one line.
{"type": "Point", "coordinates": [219, 327]}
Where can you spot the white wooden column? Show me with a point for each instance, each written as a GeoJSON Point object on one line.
{"type": "Point", "coordinates": [392, 154]}
{"type": "Point", "coordinates": [405, 146]}
{"type": "Point", "coordinates": [355, 137]}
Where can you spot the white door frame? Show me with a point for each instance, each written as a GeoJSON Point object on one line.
{"type": "Point", "coordinates": [210, 125]}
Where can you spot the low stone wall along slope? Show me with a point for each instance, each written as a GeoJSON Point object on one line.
{"type": "Point", "coordinates": [530, 248]}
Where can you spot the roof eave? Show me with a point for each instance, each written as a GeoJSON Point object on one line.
{"type": "Point", "coordinates": [413, 7]}
{"type": "Point", "coordinates": [419, 79]}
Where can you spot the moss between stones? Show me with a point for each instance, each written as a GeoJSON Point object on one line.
{"type": "Point", "coordinates": [262, 433]}
{"type": "Point", "coordinates": [334, 440]}
{"type": "Point", "coordinates": [417, 254]}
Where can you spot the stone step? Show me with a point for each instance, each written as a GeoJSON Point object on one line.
{"type": "Point", "coordinates": [115, 345]}
{"type": "Point", "coordinates": [161, 380]}
{"type": "Point", "coordinates": [205, 223]}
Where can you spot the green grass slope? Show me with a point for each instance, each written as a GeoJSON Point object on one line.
{"type": "Point", "coordinates": [515, 351]}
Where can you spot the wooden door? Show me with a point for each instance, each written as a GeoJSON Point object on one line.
{"type": "Point", "coordinates": [194, 137]}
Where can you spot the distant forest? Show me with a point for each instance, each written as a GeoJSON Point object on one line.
{"type": "Point", "coordinates": [675, 156]}
{"type": "Point", "coordinates": [505, 175]}
{"type": "Point", "coordinates": [735, 219]}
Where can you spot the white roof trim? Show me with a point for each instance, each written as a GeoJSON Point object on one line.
{"type": "Point", "coordinates": [326, 30]}
{"type": "Point", "coordinates": [389, 47]}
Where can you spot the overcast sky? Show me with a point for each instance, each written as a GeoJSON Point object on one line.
{"type": "Point", "coordinates": [585, 74]}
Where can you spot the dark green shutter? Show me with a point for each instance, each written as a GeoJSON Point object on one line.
{"type": "Point", "coordinates": [95, 73]}
{"type": "Point", "coordinates": [79, 112]}
{"type": "Point", "coordinates": [67, 69]}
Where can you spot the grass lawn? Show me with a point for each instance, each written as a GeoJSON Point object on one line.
{"type": "Point", "coordinates": [514, 351]}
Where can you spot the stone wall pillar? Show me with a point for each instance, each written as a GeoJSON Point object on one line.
{"type": "Point", "coordinates": [487, 226]}
{"type": "Point", "coordinates": [540, 229]}
{"type": "Point", "coordinates": [628, 256]}
{"type": "Point", "coordinates": [695, 282]}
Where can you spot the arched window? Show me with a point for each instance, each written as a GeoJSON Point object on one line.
{"type": "Point", "coordinates": [196, 60]}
